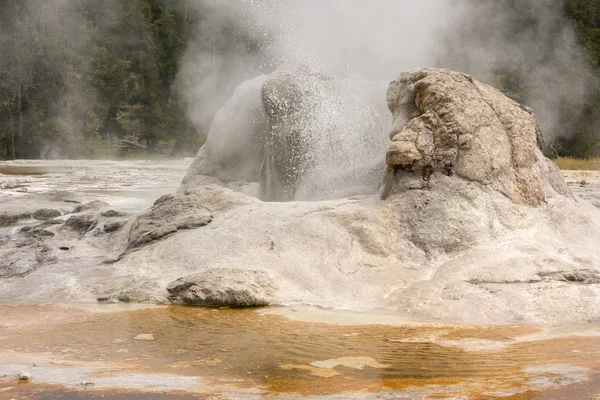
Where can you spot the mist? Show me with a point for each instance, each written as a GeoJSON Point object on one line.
{"type": "Point", "coordinates": [377, 40]}
{"type": "Point", "coordinates": [536, 44]}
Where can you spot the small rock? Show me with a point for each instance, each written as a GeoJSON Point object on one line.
{"type": "Point", "coordinates": [42, 233]}
{"type": "Point", "coordinates": [113, 226]}
{"type": "Point", "coordinates": [81, 223]}
{"type": "Point", "coordinates": [45, 214]}
{"type": "Point", "coordinates": [113, 214]}
{"type": "Point", "coordinates": [24, 376]}
{"type": "Point", "coordinates": [92, 205]}
{"type": "Point", "coordinates": [144, 337]}
{"type": "Point", "coordinates": [51, 223]}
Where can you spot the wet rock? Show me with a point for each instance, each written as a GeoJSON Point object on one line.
{"type": "Point", "coordinates": [224, 287]}
{"type": "Point", "coordinates": [46, 214]}
{"type": "Point", "coordinates": [11, 218]}
{"type": "Point", "coordinates": [169, 214]}
{"type": "Point", "coordinates": [325, 136]}
{"type": "Point", "coordinates": [289, 96]}
{"type": "Point", "coordinates": [583, 276]}
{"type": "Point", "coordinates": [51, 222]}
{"type": "Point", "coordinates": [138, 292]}
{"type": "Point", "coordinates": [233, 149]}
{"type": "Point", "coordinates": [24, 376]}
{"type": "Point", "coordinates": [82, 223]}
{"type": "Point", "coordinates": [113, 214]}
{"type": "Point", "coordinates": [91, 206]}
{"type": "Point", "coordinates": [135, 296]}
{"type": "Point", "coordinates": [42, 233]}
{"type": "Point", "coordinates": [28, 241]}
{"type": "Point", "coordinates": [298, 133]}
{"type": "Point", "coordinates": [36, 232]}
{"type": "Point", "coordinates": [110, 227]}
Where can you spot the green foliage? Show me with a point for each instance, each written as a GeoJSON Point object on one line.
{"type": "Point", "coordinates": [78, 75]}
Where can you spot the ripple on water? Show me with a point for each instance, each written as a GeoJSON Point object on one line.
{"type": "Point", "coordinates": [251, 350]}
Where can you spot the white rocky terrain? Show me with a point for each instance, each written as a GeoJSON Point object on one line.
{"type": "Point", "coordinates": [462, 219]}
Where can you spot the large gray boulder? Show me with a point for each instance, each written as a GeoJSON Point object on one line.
{"type": "Point", "coordinates": [223, 287]}
{"type": "Point", "coordinates": [170, 213]}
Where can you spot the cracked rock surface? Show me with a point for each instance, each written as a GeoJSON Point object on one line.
{"type": "Point", "coordinates": [447, 123]}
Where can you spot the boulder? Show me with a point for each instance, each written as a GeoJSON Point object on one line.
{"type": "Point", "coordinates": [91, 206]}
{"type": "Point", "coordinates": [224, 287]}
{"type": "Point", "coordinates": [46, 214]}
{"type": "Point", "coordinates": [9, 218]}
{"type": "Point", "coordinates": [168, 214]}
{"type": "Point", "coordinates": [82, 223]}
{"type": "Point", "coordinates": [189, 210]}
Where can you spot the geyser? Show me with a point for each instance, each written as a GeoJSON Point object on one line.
{"type": "Point", "coordinates": [475, 223]}
{"type": "Point", "coordinates": [297, 134]}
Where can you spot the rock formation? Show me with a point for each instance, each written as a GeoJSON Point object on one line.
{"type": "Point", "coordinates": [297, 134]}
{"type": "Point", "coordinates": [233, 152]}
{"type": "Point", "coordinates": [447, 123]}
{"type": "Point", "coordinates": [474, 225]}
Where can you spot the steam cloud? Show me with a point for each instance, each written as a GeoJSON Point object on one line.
{"type": "Point", "coordinates": [376, 40]}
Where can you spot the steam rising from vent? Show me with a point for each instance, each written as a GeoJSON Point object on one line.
{"type": "Point", "coordinates": [361, 40]}
{"type": "Point", "coordinates": [527, 49]}
{"type": "Point", "coordinates": [324, 136]}
{"type": "Point", "coordinates": [376, 40]}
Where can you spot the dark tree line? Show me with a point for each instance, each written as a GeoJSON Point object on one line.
{"type": "Point", "coordinates": [79, 76]}
{"type": "Point", "coordinates": [585, 140]}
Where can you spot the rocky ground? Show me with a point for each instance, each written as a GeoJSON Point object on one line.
{"type": "Point", "coordinates": [73, 256]}
{"type": "Point", "coordinates": [584, 184]}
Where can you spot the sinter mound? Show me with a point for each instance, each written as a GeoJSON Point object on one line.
{"type": "Point", "coordinates": [475, 224]}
